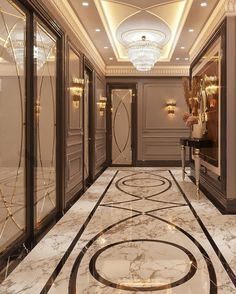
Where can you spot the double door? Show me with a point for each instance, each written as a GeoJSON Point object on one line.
{"type": "Point", "coordinates": [29, 82]}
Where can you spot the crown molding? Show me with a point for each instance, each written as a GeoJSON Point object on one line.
{"type": "Point", "coordinates": [230, 7]}
{"type": "Point", "coordinates": [67, 13]}
{"type": "Point", "coordinates": [160, 71]}
{"type": "Point", "coordinates": [224, 8]}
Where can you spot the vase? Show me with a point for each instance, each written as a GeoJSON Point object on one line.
{"type": "Point", "coordinates": [197, 131]}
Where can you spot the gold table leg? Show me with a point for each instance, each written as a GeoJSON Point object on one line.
{"type": "Point", "coordinates": [197, 170]}
{"type": "Point", "coordinates": [183, 156]}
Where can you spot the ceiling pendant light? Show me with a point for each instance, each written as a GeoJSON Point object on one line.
{"type": "Point", "coordinates": [144, 54]}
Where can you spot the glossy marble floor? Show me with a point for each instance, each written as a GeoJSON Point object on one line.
{"type": "Point", "coordinates": [136, 230]}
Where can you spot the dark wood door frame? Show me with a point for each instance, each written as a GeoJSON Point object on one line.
{"type": "Point", "coordinates": [134, 127]}
{"type": "Point", "coordinates": [88, 68]}
{"type": "Point", "coordinates": [35, 11]}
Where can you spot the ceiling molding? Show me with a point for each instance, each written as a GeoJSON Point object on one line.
{"type": "Point", "coordinates": [160, 71]}
{"type": "Point", "coordinates": [223, 9]}
{"type": "Point", "coordinates": [168, 49]}
{"type": "Point", "coordinates": [66, 11]}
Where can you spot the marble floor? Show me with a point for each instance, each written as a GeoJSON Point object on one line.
{"type": "Point", "coordinates": [135, 230]}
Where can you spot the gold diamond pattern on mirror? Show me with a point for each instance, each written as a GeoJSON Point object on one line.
{"type": "Point", "coordinates": [45, 115]}
{"type": "Point", "coordinates": [12, 123]}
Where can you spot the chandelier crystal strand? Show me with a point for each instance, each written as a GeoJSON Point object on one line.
{"type": "Point", "coordinates": [144, 54]}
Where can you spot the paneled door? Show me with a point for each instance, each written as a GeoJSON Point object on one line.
{"type": "Point", "coordinates": [86, 126]}
{"type": "Point", "coordinates": [121, 116]}
{"type": "Point", "coordinates": [74, 125]}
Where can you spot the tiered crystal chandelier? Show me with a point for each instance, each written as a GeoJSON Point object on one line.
{"type": "Point", "coordinates": [144, 54]}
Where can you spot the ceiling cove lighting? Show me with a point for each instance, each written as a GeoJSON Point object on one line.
{"type": "Point", "coordinates": [144, 54]}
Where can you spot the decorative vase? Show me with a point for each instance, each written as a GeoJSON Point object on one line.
{"type": "Point", "coordinates": [197, 131]}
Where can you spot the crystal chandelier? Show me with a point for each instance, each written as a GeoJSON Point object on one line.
{"type": "Point", "coordinates": [144, 54]}
{"type": "Point", "coordinates": [42, 52]}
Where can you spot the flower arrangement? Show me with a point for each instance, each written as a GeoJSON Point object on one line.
{"type": "Point", "coordinates": [192, 98]}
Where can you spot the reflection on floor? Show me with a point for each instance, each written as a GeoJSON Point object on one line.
{"type": "Point", "coordinates": [135, 230]}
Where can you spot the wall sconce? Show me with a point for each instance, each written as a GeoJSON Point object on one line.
{"type": "Point", "coordinates": [76, 89]}
{"type": "Point", "coordinates": [102, 105]}
{"type": "Point", "coordinates": [37, 108]}
{"type": "Point", "coordinates": [170, 107]}
{"type": "Point", "coordinates": [211, 85]}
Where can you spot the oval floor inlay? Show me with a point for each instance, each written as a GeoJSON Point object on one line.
{"type": "Point", "coordinates": [142, 265]}
{"type": "Point", "coordinates": [143, 182]}
{"type": "Point", "coordinates": [149, 185]}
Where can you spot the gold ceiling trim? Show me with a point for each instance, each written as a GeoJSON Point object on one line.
{"type": "Point", "coordinates": [169, 48]}
{"type": "Point", "coordinates": [141, 8]}
{"type": "Point", "coordinates": [160, 71]}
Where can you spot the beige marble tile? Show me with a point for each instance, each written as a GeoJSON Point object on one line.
{"type": "Point", "coordinates": [153, 244]}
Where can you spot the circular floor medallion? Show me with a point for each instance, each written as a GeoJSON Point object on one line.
{"type": "Point", "coordinates": [143, 265]}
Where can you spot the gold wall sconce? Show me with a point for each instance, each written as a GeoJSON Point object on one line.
{"type": "Point", "coordinates": [170, 107]}
{"type": "Point", "coordinates": [37, 108]}
{"type": "Point", "coordinates": [102, 105]}
{"type": "Point", "coordinates": [211, 85]}
{"type": "Point", "coordinates": [76, 89]}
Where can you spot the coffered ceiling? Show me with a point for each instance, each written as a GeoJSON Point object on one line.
{"type": "Point", "coordinates": [111, 23]}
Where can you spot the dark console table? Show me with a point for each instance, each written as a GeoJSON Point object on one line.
{"type": "Point", "coordinates": [196, 144]}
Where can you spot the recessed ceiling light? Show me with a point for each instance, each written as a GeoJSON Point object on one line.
{"type": "Point", "coordinates": [85, 4]}
{"type": "Point", "coordinates": [177, 58]}
{"type": "Point", "coordinates": [98, 30]}
{"type": "Point", "coordinates": [110, 58]}
{"type": "Point", "coordinates": [203, 4]}
{"type": "Point", "coordinates": [191, 30]}
{"type": "Point", "coordinates": [105, 47]}
{"type": "Point", "coordinates": [182, 47]}
{"type": "Point", "coordinates": [186, 58]}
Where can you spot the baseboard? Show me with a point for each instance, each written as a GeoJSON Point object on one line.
{"type": "Point", "coordinates": [225, 206]}
{"type": "Point", "coordinates": [159, 163]}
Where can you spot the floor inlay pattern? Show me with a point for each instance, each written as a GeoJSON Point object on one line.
{"type": "Point", "coordinates": [140, 236]}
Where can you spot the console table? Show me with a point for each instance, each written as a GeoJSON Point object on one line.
{"type": "Point", "coordinates": [196, 144]}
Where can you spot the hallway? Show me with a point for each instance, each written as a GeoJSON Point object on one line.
{"type": "Point", "coordinates": [135, 230]}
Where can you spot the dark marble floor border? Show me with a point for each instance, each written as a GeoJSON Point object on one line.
{"type": "Point", "coordinates": [207, 234]}
{"type": "Point", "coordinates": [63, 260]}
{"type": "Point", "coordinates": [77, 262]}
